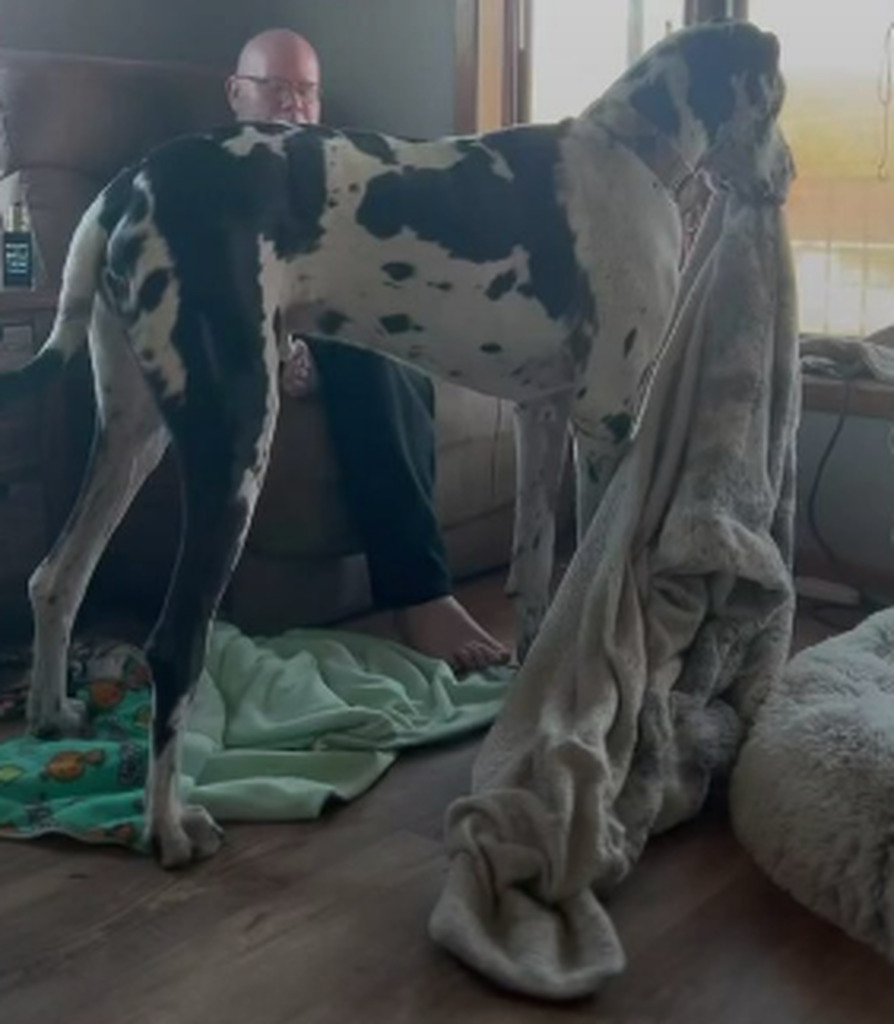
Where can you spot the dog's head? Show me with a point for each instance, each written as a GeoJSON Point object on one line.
{"type": "Point", "coordinates": [716, 90]}
{"type": "Point", "coordinates": [735, 90]}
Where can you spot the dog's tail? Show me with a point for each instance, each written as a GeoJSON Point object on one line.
{"type": "Point", "coordinates": [80, 282]}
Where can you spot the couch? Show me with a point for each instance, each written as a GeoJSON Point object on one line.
{"type": "Point", "coordinates": [67, 124]}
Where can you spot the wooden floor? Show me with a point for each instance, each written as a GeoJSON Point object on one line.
{"type": "Point", "coordinates": [326, 924]}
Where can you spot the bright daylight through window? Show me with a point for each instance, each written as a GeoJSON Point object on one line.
{"type": "Point", "coordinates": [838, 60]}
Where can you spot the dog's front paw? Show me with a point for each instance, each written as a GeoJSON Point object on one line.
{"type": "Point", "coordinates": [68, 719]}
{"type": "Point", "coordinates": [195, 836]}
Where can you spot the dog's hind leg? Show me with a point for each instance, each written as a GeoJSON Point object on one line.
{"type": "Point", "coordinates": [596, 460]}
{"type": "Point", "coordinates": [221, 428]}
{"type": "Point", "coordinates": [541, 435]}
{"type": "Point", "coordinates": [128, 443]}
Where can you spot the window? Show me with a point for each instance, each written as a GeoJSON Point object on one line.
{"type": "Point", "coordinates": [838, 60]}
{"type": "Point", "coordinates": [579, 47]}
{"type": "Point", "coordinates": [837, 117]}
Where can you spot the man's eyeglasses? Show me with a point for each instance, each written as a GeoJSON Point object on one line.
{"type": "Point", "coordinates": [283, 88]}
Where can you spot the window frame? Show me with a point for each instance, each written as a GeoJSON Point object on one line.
{"type": "Point", "coordinates": [493, 57]}
{"type": "Point", "coordinates": [493, 67]}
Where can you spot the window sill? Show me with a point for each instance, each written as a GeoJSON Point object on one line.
{"type": "Point", "coordinates": [871, 399]}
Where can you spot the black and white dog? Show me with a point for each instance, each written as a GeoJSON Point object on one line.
{"type": "Point", "coordinates": [539, 264]}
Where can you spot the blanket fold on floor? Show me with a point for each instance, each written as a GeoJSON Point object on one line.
{"type": "Point", "coordinates": [278, 728]}
{"type": "Point", "coordinates": [673, 617]}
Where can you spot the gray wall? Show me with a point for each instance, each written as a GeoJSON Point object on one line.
{"type": "Point", "coordinates": [201, 31]}
{"type": "Point", "coordinates": [855, 502]}
{"type": "Point", "coordinates": [388, 64]}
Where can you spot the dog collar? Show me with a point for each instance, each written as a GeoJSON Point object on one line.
{"type": "Point", "coordinates": [643, 138]}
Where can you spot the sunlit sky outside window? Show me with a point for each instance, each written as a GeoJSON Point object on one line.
{"type": "Point", "coordinates": [841, 211]}
{"type": "Point", "coordinates": [580, 48]}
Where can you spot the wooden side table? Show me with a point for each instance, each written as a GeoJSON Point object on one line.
{"type": "Point", "coordinates": [31, 435]}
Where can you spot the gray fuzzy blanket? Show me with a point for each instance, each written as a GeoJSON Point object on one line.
{"type": "Point", "coordinates": [672, 620]}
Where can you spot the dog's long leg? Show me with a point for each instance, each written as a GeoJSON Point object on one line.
{"type": "Point", "coordinates": [221, 429]}
{"type": "Point", "coordinates": [541, 434]}
{"type": "Point", "coordinates": [128, 444]}
{"type": "Point", "coordinates": [596, 459]}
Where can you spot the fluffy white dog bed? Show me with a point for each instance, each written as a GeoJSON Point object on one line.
{"type": "Point", "coordinates": [813, 789]}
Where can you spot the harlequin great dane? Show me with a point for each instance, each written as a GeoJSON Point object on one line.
{"type": "Point", "coordinates": [538, 264]}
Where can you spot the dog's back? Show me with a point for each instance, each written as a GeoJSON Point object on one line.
{"type": "Point", "coordinates": [428, 251]}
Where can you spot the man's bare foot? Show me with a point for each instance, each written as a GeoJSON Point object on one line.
{"type": "Point", "coordinates": [443, 629]}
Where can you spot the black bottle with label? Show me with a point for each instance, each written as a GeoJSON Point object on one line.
{"type": "Point", "coordinates": [18, 249]}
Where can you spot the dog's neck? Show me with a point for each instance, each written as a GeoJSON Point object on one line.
{"type": "Point", "coordinates": [661, 154]}
{"type": "Point", "coordinates": [670, 140]}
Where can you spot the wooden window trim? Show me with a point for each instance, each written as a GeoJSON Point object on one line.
{"type": "Point", "coordinates": [465, 115]}
{"type": "Point", "coordinates": [493, 75]}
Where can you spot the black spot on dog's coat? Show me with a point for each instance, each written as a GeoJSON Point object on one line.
{"type": "Point", "coordinates": [629, 342]}
{"type": "Point", "coordinates": [331, 322]}
{"type": "Point", "coordinates": [442, 286]}
{"type": "Point", "coordinates": [280, 198]}
{"type": "Point", "coordinates": [153, 289]}
{"type": "Point", "coordinates": [500, 285]}
{"type": "Point", "coordinates": [477, 214]}
{"type": "Point", "coordinates": [653, 100]}
{"type": "Point", "coordinates": [397, 323]}
{"type": "Point", "coordinates": [139, 207]}
{"type": "Point", "coordinates": [373, 145]}
{"type": "Point", "coordinates": [114, 288]}
{"type": "Point", "coordinates": [124, 254]}
{"type": "Point", "coordinates": [491, 348]}
{"type": "Point", "coordinates": [399, 271]}
{"type": "Point", "coordinates": [714, 57]}
{"type": "Point", "coordinates": [117, 197]}
{"type": "Point", "coordinates": [620, 425]}
{"type": "Point", "coordinates": [267, 128]}
{"type": "Point", "coordinates": [580, 345]}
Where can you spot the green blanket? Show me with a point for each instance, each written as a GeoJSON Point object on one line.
{"type": "Point", "coordinates": [278, 728]}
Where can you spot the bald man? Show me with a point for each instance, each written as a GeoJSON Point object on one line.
{"type": "Point", "coordinates": [381, 414]}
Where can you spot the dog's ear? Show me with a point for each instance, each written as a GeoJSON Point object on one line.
{"type": "Point", "coordinates": [763, 54]}
{"type": "Point", "coordinates": [753, 50]}
{"type": "Point", "coordinates": [771, 46]}
{"type": "Point", "coordinates": [718, 53]}
{"type": "Point", "coordinates": [763, 75]}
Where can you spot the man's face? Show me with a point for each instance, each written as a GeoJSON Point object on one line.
{"type": "Point", "coordinates": [278, 86]}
